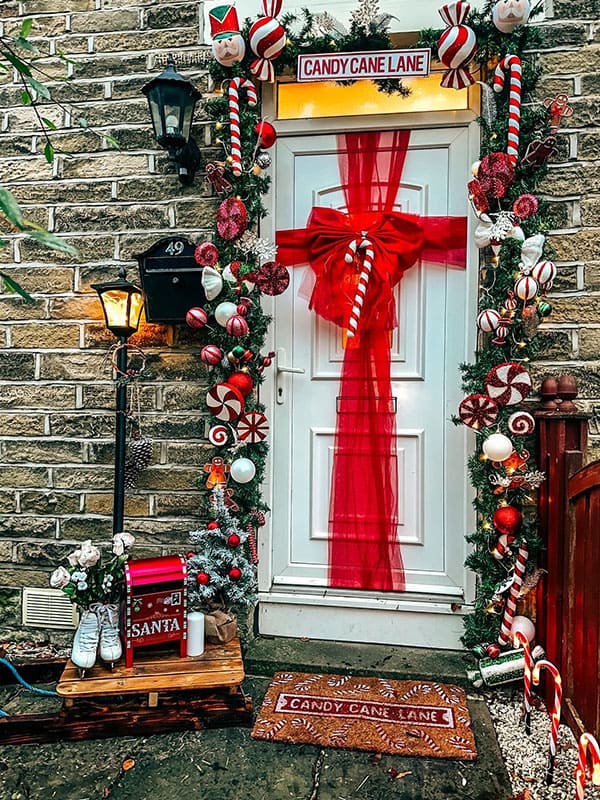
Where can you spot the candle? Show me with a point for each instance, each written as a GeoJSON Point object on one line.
{"type": "Point", "coordinates": [587, 741]}
{"type": "Point", "coordinates": [195, 640]}
{"type": "Point", "coordinates": [554, 714]}
{"type": "Point", "coordinates": [519, 638]}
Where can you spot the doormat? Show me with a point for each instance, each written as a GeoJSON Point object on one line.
{"type": "Point", "coordinates": [409, 718]}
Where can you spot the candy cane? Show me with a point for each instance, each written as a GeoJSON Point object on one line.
{"type": "Point", "coordinates": [235, 84]}
{"type": "Point", "coordinates": [586, 741]}
{"type": "Point", "coordinates": [520, 639]}
{"type": "Point", "coordinates": [252, 544]}
{"type": "Point", "coordinates": [554, 714]}
{"type": "Point", "coordinates": [511, 603]}
{"type": "Point", "coordinates": [363, 281]}
{"type": "Point", "coordinates": [511, 64]}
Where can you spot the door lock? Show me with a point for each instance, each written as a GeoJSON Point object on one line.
{"type": "Point", "coordinates": [280, 391]}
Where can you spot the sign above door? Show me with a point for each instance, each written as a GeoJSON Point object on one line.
{"type": "Point", "coordinates": [372, 65]}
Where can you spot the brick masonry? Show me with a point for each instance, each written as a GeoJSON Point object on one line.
{"type": "Point", "coordinates": [57, 395]}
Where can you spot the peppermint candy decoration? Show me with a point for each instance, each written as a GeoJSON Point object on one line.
{"type": "Point", "coordinates": [253, 427]}
{"type": "Point", "coordinates": [272, 278]}
{"type": "Point", "coordinates": [225, 402]}
{"type": "Point", "coordinates": [521, 423]}
{"type": "Point", "coordinates": [508, 383]}
{"type": "Point", "coordinates": [218, 435]}
{"type": "Point", "coordinates": [232, 219]}
{"type": "Point", "coordinates": [478, 411]}
{"type": "Point", "coordinates": [267, 39]}
{"type": "Point", "coordinates": [456, 46]}
{"type": "Point", "coordinates": [526, 288]}
{"type": "Point", "coordinates": [488, 320]}
{"type": "Point", "coordinates": [544, 273]}
{"type": "Point", "coordinates": [206, 254]}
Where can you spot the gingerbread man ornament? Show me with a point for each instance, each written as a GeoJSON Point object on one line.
{"type": "Point", "coordinates": [217, 473]}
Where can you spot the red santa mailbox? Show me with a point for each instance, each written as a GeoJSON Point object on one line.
{"type": "Point", "coordinates": [155, 604]}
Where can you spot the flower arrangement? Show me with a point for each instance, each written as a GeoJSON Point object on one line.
{"type": "Point", "coordinates": [92, 577]}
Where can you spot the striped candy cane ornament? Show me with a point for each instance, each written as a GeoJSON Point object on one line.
{"type": "Point", "coordinates": [511, 603]}
{"type": "Point", "coordinates": [361, 243]}
{"type": "Point", "coordinates": [587, 741]}
{"type": "Point", "coordinates": [521, 640]}
{"type": "Point", "coordinates": [554, 714]}
{"type": "Point", "coordinates": [235, 84]}
{"type": "Point", "coordinates": [511, 64]}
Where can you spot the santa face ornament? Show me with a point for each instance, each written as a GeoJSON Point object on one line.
{"type": "Point", "coordinates": [228, 45]}
{"type": "Point", "coordinates": [508, 14]}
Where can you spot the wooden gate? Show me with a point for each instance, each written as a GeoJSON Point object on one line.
{"type": "Point", "coordinates": [569, 597]}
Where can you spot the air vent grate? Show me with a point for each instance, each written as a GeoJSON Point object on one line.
{"type": "Point", "coordinates": [48, 608]}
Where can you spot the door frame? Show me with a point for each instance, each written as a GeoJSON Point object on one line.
{"type": "Point", "coordinates": [283, 603]}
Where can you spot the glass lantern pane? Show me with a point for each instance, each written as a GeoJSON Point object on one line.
{"type": "Point", "coordinates": [116, 304]}
{"type": "Point", "coordinates": [156, 114]}
{"type": "Point", "coordinates": [188, 113]}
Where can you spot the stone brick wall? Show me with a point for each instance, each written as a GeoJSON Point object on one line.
{"type": "Point", "coordinates": [56, 389]}
{"type": "Point", "coordinates": [571, 64]}
{"type": "Point", "coordinates": [56, 392]}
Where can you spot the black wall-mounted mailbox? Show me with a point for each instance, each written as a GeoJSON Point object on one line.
{"type": "Point", "coordinates": [171, 280]}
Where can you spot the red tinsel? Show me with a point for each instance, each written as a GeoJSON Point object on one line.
{"type": "Point", "coordinates": [496, 174]}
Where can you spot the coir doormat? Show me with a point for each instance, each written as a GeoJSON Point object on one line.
{"type": "Point", "coordinates": [411, 718]}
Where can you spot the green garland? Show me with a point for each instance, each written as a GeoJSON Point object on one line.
{"type": "Point", "coordinates": [523, 344]}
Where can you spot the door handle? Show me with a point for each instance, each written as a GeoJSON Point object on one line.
{"type": "Point", "coordinates": [280, 389]}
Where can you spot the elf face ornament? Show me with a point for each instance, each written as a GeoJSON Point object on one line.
{"type": "Point", "coordinates": [508, 14]}
{"type": "Point", "coordinates": [228, 44]}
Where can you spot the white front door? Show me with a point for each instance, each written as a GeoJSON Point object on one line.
{"type": "Point", "coordinates": [430, 343]}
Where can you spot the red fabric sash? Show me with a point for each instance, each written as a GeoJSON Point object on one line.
{"type": "Point", "coordinates": [364, 552]}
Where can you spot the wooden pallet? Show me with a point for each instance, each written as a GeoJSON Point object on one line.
{"type": "Point", "coordinates": [159, 694]}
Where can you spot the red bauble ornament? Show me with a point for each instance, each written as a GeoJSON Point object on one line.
{"type": "Point", "coordinates": [203, 578]}
{"type": "Point", "coordinates": [196, 318]}
{"type": "Point", "coordinates": [212, 525]}
{"type": "Point", "coordinates": [242, 381]}
{"type": "Point", "coordinates": [233, 540]}
{"type": "Point", "coordinates": [267, 135]}
{"type": "Point", "coordinates": [508, 520]}
{"type": "Point", "coordinates": [235, 574]}
{"type": "Point", "coordinates": [237, 325]}
{"type": "Point", "coordinates": [206, 254]}
{"type": "Point", "coordinates": [211, 355]}
{"type": "Point", "coordinates": [232, 219]}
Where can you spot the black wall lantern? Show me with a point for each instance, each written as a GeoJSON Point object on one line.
{"type": "Point", "coordinates": [172, 100]}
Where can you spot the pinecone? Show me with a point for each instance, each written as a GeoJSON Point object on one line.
{"type": "Point", "coordinates": [131, 476]}
{"type": "Point", "coordinates": [140, 452]}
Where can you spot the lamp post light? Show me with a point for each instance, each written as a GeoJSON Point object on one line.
{"type": "Point", "coordinates": [122, 303]}
{"type": "Point", "coordinates": [172, 100]}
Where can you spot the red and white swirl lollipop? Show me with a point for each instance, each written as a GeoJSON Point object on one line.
{"type": "Point", "coordinates": [508, 383]}
{"type": "Point", "coordinates": [225, 402]}
{"type": "Point", "coordinates": [456, 46]}
{"type": "Point", "coordinates": [478, 411]}
{"type": "Point", "coordinates": [521, 423]}
{"type": "Point", "coordinates": [253, 427]}
{"type": "Point", "coordinates": [218, 435]}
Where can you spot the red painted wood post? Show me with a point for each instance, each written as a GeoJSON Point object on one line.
{"type": "Point", "coordinates": [561, 444]}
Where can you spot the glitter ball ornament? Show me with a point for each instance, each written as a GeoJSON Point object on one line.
{"type": "Point", "coordinates": [206, 254]}
{"type": "Point", "coordinates": [267, 136]}
{"type": "Point", "coordinates": [224, 311]}
{"type": "Point", "coordinates": [203, 578]}
{"type": "Point", "coordinates": [525, 206]}
{"type": "Point", "coordinates": [196, 318]}
{"type": "Point", "coordinates": [237, 325]}
{"type": "Point", "coordinates": [242, 381]}
{"type": "Point", "coordinates": [496, 174]}
{"type": "Point", "coordinates": [272, 278]}
{"type": "Point", "coordinates": [478, 197]}
{"type": "Point", "coordinates": [497, 447]}
{"type": "Point", "coordinates": [508, 520]}
{"type": "Point", "coordinates": [233, 540]}
{"type": "Point", "coordinates": [232, 219]}
{"type": "Point", "coordinates": [235, 574]}
{"type": "Point", "coordinates": [211, 355]}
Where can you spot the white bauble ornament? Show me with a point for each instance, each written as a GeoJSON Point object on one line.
{"type": "Point", "coordinates": [526, 288]}
{"type": "Point", "coordinates": [525, 626]}
{"type": "Point", "coordinates": [488, 320]}
{"type": "Point", "coordinates": [497, 447]}
{"type": "Point", "coordinates": [224, 311]}
{"type": "Point", "coordinates": [242, 470]}
{"type": "Point", "coordinates": [507, 14]}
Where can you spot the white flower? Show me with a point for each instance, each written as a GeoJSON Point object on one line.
{"type": "Point", "coordinates": [121, 541]}
{"type": "Point", "coordinates": [73, 558]}
{"type": "Point", "coordinates": [59, 578]}
{"type": "Point", "coordinates": [82, 586]}
{"type": "Point", "coordinates": [90, 555]}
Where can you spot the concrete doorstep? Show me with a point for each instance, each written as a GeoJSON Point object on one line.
{"type": "Point", "coordinates": [227, 764]}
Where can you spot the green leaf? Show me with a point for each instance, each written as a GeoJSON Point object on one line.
{"type": "Point", "coordinates": [49, 124]}
{"type": "Point", "coordinates": [40, 89]}
{"type": "Point", "coordinates": [14, 288]}
{"type": "Point", "coordinates": [66, 59]}
{"type": "Point", "coordinates": [112, 142]}
{"type": "Point", "coordinates": [25, 45]}
{"type": "Point", "coordinates": [10, 208]}
{"type": "Point", "coordinates": [21, 66]}
{"type": "Point", "coordinates": [26, 28]}
{"type": "Point", "coordinates": [49, 153]}
{"type": "Point", "coordinates": [52, 241]}
{"type": "Point", "coordinates": [26, 98]}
